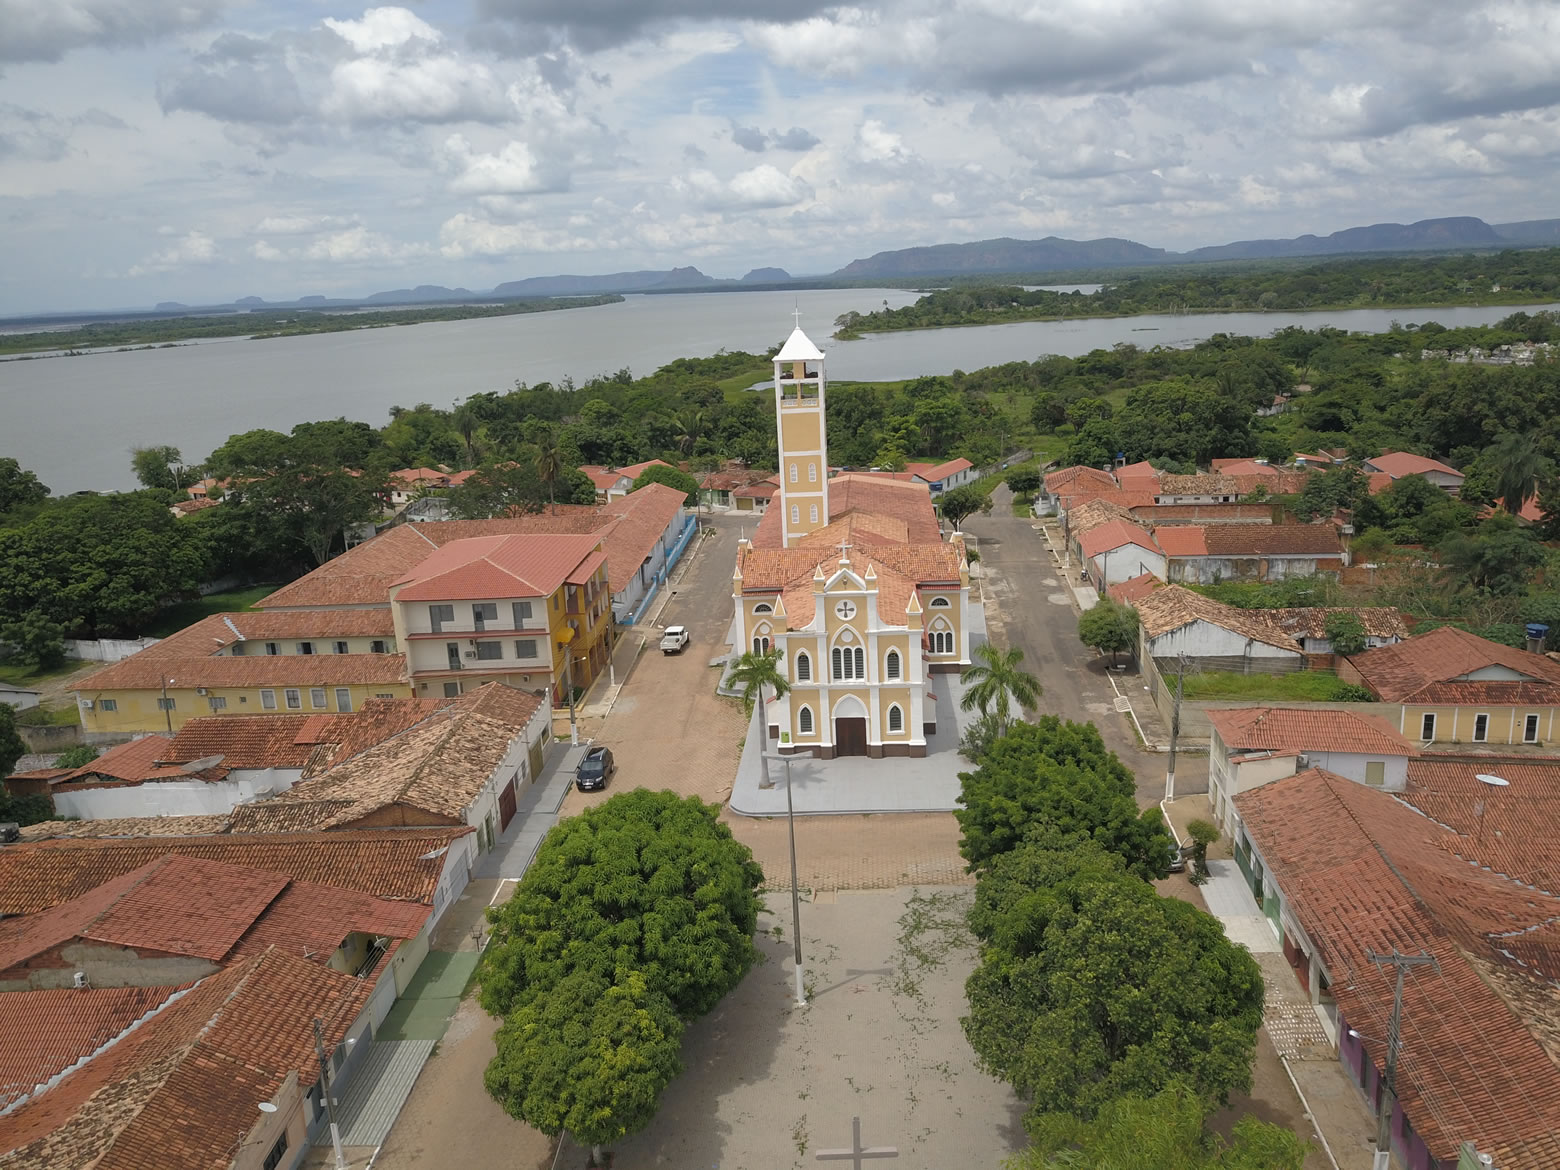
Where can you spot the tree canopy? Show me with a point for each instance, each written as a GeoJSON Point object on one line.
{"type": "Point", "coordinates": [671, 477]}
{"type": "Point", "coordinates": [12, 748]}
{"type": "Point", "coordinates": [1054, 774]}
{"type": "Point", "coordinates": [1164, 1132]}
{"type": "Point", "coordinates": [960, 503]}
{"type": "Point", "coordinates": [1108, 627]}
{"type": "Point", "coordinates": [1093, 987]}
{"type": "Point", "coordinates": [635, 916]}
{"type": "Point", "coordinates": [19, 488]}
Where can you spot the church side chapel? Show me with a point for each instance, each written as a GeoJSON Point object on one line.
{"type": "Point", "coordinates": [852, 579]}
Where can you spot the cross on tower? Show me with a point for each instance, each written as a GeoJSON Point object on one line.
{"type": "Point", "coordinates": [857, 1151]}
{"type": "Point", "coordinates": [796, 314]}
{"type": "Point", "coordinates": [845, 547]}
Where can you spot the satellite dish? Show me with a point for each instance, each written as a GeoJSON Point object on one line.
{"type": "Point", "coordinates": [202, 764]}
{"type": "Point", "coordinates": [267, 1107]}
{"type": "Point", "coordinates": [1493, 781]}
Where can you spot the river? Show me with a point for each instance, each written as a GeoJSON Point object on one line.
{"type": "Point", "coordinates": [73, 420]}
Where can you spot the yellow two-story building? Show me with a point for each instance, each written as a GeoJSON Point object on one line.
{"type": "Point", "coordinates": [289, 662]}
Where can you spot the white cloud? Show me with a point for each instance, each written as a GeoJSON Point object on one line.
{"type": "Point", "coordinates": [440, 88]}
{"type": "Point", "coordinates": [298, 225]}
{"type": "Point", "coordinates": [358, 245]}
{"type": "Point", "coordinates": [383, 28]}
{"type": "Point", "coordinates": [759, 187]}
{"type": "Point", "coordinates": [194, 247]}
{"type": "Point", "coordinates": [45, 30]}
{"type": "Point", "coordinates": [512, 171]}
{"type": "Point", "coordinates": [464, 236]}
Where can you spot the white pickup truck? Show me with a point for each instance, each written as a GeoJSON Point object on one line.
{"type": "Point", "coordinates": [675, 640]}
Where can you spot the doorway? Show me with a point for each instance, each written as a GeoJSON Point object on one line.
{"type": "Point", "coordinates": [850, 737]}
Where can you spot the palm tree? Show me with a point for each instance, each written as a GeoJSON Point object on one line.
{"type": "Point", "coordinates": [549, 464]}
{"type": "Point", "coordinates": [996, 682]}
{"type": "Point", "coordinates": [1521, 465]}
{"type": "Point", "coordinates": [690, 425]}
{"type": "Point", "coordinates": [466, 422]}
{"type": "Point", "coordinates": [756, 671]}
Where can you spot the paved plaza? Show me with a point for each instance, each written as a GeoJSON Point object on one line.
{"type": "Point", "coordinates": [767, 1084]}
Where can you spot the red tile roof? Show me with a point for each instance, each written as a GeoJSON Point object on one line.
{"type": "Point", "coordinates": [758, 491]}
{"type": "Point", "coordinates": [1182, 540]}
{"type": "Point", "coordinates": [1116, 534]}
{"type": "Point", "coordinates": [1363, 872]}
{"type": "Point", "coordinates": [604, 479]}
{"type": "Point", "coordinates": [174, 905]}
{"type": "Point", "coordinates": [1270, 540]}
{"type": "Point", "coordinates": [1400, 463]}
{"type": "Point", "coordinates": [496, 566]}
{"type": "Point", "coordinates": [400, 864]}
{"type": "Point", "coordinates": [1056, 480]}
{"type": "Point", "coordinates": [910, 503]}
{"type": "Point", "coordinates": [49, 1031]}
{"type": "Point", "coordinates": [130, 762]}
{"type": "Point", "coordinates": [1174, 606]}
{"type": "Point", "coordinates": [1432, 668]}
{"type": "Point", "coordinates": [247, 741]}
{"type": "Point", "coordinates": [636, 470]}
{"type": "Point", "coordinates": [1494, 826]}
{"type": "Point", "coordinates": [181, 1089]}
{"type": "Point", "coordinates": [937, 472]}
{"type": "Point", "coordinates": [1303, 729]}
{"type": "Point", "coordinates": [311, 921]}
{"type": "Point", "coordinates": [1139, 587]}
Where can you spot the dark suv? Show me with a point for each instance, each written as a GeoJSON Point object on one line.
{"type": "Point", "coordinates": [595, 770]}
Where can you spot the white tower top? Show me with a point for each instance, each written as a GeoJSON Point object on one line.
{"type": "Point", "coordinates": [799, 348]}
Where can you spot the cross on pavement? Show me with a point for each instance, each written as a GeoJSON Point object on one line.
{"type": "Point", "coordinates": [857, 1152]}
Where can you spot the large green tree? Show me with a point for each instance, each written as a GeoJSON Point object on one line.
{"type": "Point", "coordinates": [1167, 1131]}
{"type": "Point", "coordinates": [505, 489]}
{"type": "Point", "coordinates": [963, 502]}
{"type": "Point", "coordinates": [19, 488]}
{"type": "Point", "coordinates": [1093, 987]}
{"type": "Point", "coordinates": [1108, 627]}
{"type": "Point", "coordinates": [11, 746]}
{"type": "Point", "coordinates": [1054, 774]}
{"type": "Point", "coordinates": [635, 916]}
{"type": "Point", "coordinates": [671, 477]}
{"type": "Point", "coordinates": [161, 467]}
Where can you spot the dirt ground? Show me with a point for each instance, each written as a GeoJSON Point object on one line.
{"type": "Point", "coordinates": [767, 1084]}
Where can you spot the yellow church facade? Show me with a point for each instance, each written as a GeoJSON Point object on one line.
{"type": "Point", "coordinates": [853, 581]}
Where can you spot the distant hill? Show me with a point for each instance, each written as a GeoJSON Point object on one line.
{"type": "Point", "coordinates": [420, 295]}
{"type": "Point", "coordinates": [766, 276]}
{"type": "Point", "coordinates": [170, 307]}
{"type": "Point", "coordinates": [1454, 232]}
{"type": "Point", "coordinates": [614, 282]}
{"type": "Point", "coordinates": [1530, 231]}
{"type": "Point", "coordinates": [1003, 255]}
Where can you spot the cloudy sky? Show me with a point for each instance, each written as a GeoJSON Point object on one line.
{"type": "Point", "coordinates": [202, 150]}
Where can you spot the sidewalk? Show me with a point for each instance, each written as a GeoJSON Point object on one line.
{"type": "Point", "coordinates": [535, 815]}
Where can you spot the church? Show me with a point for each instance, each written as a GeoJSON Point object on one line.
{"type": "Point", "coordinates": [852, 580]}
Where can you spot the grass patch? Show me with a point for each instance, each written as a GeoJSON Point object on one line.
{"type": "Point", "coordinates": [65, 716]}
{"type": "Point", "coordinates": [1313, 686]}
{"type": "Point", "coordinates": [21, 674]}
{"type": "Point", "coordinates": [174, 618]}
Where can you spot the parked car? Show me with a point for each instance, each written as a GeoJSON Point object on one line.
{"type": "Point", "coordinates": [1179, 856]}
{"type": "Point", "coordinates": [675, 640]}
{"type": "Point", "coordinates": [595, 770]}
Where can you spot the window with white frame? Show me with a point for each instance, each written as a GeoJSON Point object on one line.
{"type": "Point", "coordinates": [796, 514]}
{"type": "Point", "coordinates": [940, 603]}
{"type": "Point", "coordinates": [1427, 727]}
{"type": "Point", "coordinates": [343, 699]}
{"type": "Point", "coordinates": [793, 473]}
{"type": "Point", "coordinates": [803, 667]}
{"type": "Point", "coordinates": [1530, 729]}
{"type": "Point", "coordinates": [848, 663]}
{"type": "Point", "coordinates": [891, 664]}
{"type": "Point", "coordinates": [216, 702]}
{"type": "Point", "coordinates": [763, 607]}
{"type": "Point", "coordinates": [804, 721]}
{"type": "Point", "coordinates": [896, 720]}
{"type": "Point", "coordinates": [272, 649]}
{"type": "Point", "coordinates": [305, 647]}
{"type": "Point", "coordinates": [813, 514]}
{"type": "Point", "coordinates": [941, 641]}
{"type": "Point", "coordinates": [761, 644]}
{"type": "Point", "coordinates": [268, 700]}
{"type": "Point", "coordinates": [108, 704]}
{"type": "Point", "coordinates": [317, 698]}
{"type": "Point", "coordinates": [294, 698]}
{"type": "Point", "coordinates": [377, 647]}
{"type": "Point", "coordinates": [342, 648]}
{"type": "Point", "coordinates": [812, 473]}
{"type": "Point", "coordinates": [1481, 727]}
{"type": "Point", "coordinates": [169, 704]}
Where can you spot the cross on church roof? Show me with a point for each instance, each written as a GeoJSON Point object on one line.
{"type": "Point", "coordinates": [845, 547]}
{"type": "Point", "coordinates": [796, 314]}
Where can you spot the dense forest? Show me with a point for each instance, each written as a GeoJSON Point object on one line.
{"type": "Point", "coordinates": [1512, 277]}
{"type": "Point", "coordinates": [267, 324]}
{"type": "Point", "coordinates": [104, 564]}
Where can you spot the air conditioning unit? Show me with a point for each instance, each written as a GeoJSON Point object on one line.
{"type": "Point", "coordinates": [202, 691]}
{"type": "Point", "coordinates": [471, 653]}
{"type": "Point", "coordinates": [88, 704]}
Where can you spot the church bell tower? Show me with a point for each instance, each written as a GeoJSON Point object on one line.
{"type": "Point", "coordinates": [804, 446]}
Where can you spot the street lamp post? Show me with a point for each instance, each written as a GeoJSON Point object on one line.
{"type": "Point", "coordinates": [327, 1092]}
{"type": "Point", "coordinates": [796, 900]}
{"type": "Point", "coordinates": [167, 711]}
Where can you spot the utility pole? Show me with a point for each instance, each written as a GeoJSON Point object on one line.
{"type": "Point", "coordinates": [796, 900]}
{"type": "Point", "coordinates": [1386, 1097]}
{"type": "Point", "coordinates": [167, 710]}
{"type": "Point", "coordinates": [328, 1093]}
{"type": "Point", "coordinates": [1175, 723]}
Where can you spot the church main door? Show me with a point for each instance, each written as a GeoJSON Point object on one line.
{"type": "Point", "coordinates": [850, 737]}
